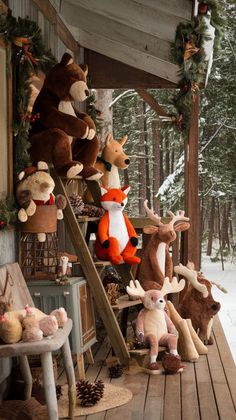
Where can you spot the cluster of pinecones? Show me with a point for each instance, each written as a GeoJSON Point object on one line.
{"type": "Point", "coordinates": [82, 209]}
{"type": "Point", "coordinates": [89, 393]}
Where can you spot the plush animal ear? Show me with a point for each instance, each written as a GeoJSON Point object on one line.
{"type": "Point", "coordinates": [66, 59]}
{"type": "Point", "coordinates": [181, 226]}
{"type": "Point", "coordinates": [42, 166]}
{"type": "Point", "coordinates": [123, 140]}
{"type": "Point", "coordinates": [84, 67]}
{"type": "Point", "coordinates": [21, 175]}
{"type": "Point", "coordinates": [108, 139]}
{"type": "Point", "coordinates": [103, 190]}
{"type": "Point", "coordinates": [150, 229]}
{"type": "Point", "coordinates": [126, 190]}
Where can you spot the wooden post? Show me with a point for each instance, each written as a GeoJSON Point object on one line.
{"type": "Point", "coordinates": [192, 202]}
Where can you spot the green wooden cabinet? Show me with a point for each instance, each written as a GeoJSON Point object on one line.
{"type": "Point", "coordinates": [75, 297]}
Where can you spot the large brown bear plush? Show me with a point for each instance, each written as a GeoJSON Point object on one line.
{"type": "Point", "coordinates": [59, 133]}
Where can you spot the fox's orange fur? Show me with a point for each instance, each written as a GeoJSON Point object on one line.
{"type": "Point", "coordinates": [116, 238]}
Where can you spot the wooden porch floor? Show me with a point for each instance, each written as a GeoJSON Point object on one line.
{"type": "Point", "coordinates": [206, 389]}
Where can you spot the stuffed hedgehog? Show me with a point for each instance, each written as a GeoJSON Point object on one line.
{"type": "Point", "coordinates": [34, 188]}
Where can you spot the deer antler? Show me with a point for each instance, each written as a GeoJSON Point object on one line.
{"type": "Point", "coordinates": [178, 216]}
{"type": "Point", "coordinates": [151, 214]}
{"type": "Point", "coordinates": [135, 289]}
{"type": "Point", "coordinates": [172, 287]}
{"type": "Point", "coordinates": [219, 286]}
{"type": "Point", "coordinates": [191, 276]}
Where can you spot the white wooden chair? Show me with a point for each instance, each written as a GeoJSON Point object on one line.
{"type": "Point", "coordinates": [14, 289]}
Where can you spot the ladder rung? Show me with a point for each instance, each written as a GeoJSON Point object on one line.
{"type": "Point", "coordinates": [124, 302]}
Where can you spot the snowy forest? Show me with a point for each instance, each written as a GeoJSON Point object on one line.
{"type": "Point", "coordinates": [156, 147]}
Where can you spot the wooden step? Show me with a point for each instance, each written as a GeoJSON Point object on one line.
{"type": "Point", "coordinates": [124, 302]}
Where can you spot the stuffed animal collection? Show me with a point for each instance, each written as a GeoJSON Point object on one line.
{"type": "Point", "coordinates": [116, 238]}
{"type": "Point", "coordinates": [30, 324]}
{"type": "Point", "coordinates": [35, 188]}
{"type": "Point", "coordinates": [60, 134]}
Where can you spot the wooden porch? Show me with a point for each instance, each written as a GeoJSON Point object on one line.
{"type": "Point", "coordinates": [205, 390]}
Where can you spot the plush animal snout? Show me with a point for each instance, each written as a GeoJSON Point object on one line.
{"type": "Point", "coordinates": [44, 186]}
{"type": "Point", "coordinates": [215, 307]}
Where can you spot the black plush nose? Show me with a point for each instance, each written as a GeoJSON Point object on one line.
{"type": "Point", "coordinates": [122, 204]}
{"type": "Point", "coordinates": [215, 306]}
{"type": "Point", "coordinates": [127, 161]}
{"type": "Point", "coordinates": [87, 92]}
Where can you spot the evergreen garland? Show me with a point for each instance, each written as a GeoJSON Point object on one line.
{"type": "Point", "coordinates": [29, 56]}
{"type": "Point", "coordinates": [188, 53]}
{"type": "Point", "coordinates": [7, 212]}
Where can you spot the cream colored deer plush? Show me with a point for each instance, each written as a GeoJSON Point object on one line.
{"type": "Point", "coordinates": [153, 324]}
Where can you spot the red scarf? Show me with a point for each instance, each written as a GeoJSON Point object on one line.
{"type": "Point", "coordinates": [48, 203]}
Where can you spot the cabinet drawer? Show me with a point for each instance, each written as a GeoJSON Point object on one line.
{"type": "Point", "coordinates": [86, 314]}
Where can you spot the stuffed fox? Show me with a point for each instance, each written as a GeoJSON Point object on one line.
{"type": "Point", "coordinates": [116, 238]}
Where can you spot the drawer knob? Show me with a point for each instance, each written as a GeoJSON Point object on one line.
{"type": "Point", "coordinates": [66, 293]}
{"type": "Point", "coordinates": [37, 293]}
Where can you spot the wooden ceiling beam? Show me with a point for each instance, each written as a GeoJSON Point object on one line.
{"type": "Point", "coordinates": [106, 73]}
{"type": "Point", "coordinates": [130, 56]}
{"type": "Point", "coordinates": [133, 14]}
{"type": "Point", "coordinates": [88, 21]}
{"type": "Point", "coordinates": [152, 102]}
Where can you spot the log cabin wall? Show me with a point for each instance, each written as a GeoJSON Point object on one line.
{"type": "Point", "coordinates": [56, 37]}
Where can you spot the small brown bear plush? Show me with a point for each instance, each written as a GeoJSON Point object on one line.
{"type": "Point", "coordinates": [59, 133]}
{"type": "Point", "coordinates": [34, 188]}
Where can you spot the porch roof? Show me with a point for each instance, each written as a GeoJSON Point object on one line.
{"type": "Point", "coordinates": [133, 36]}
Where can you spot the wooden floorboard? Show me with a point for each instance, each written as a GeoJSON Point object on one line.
{"type": "Point", "coordinates": [205, 390]}
{"type": "Point", "coordinates": [189, 393]}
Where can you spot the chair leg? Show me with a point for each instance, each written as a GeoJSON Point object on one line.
{"type": "Point", "coordinates": [26, 374]}
{"type": "Point", "coordinates": [80, 365]}
{"type": "Point", "coordinates": [49, 385]}
{"type": "Point", "coordinates": [70, 375]}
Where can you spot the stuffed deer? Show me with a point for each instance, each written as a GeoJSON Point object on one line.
{"type": "Point", "coordinates": [112, 158]}
{"type": "Point", "coordinates": [153, 324]}
{"type": "Point", "coordinates": [156, 261]}
{"type": "Point", "coordinates": [196, 301]}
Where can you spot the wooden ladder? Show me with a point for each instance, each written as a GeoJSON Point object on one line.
{"type": "Point", "coordinates": [90, 270]}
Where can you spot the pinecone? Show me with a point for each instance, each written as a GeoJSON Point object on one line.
{"type": "Point", "coordinates": [92, 211]}
{"type": "Point", "coordinates": [89, 394]}
{"type": "Point", "coordinates": [77, 204]}
{"type": "Point", "coordinates": [115, 371]}
{"type": "Point", "coordinates": [112, 291]}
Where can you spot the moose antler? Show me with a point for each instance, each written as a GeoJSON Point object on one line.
{"type": "Point", "coordinates": [135, 289]}
{"type": "Point", "coordinates": [191, 276]}
{"type": "Point", "coordinates": [179, 216]}
{"type": "Point", "coordinates": [151, 214]}
{"type": "Point", "coordinates": [172, 287]}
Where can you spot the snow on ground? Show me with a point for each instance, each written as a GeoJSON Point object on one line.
{"type": "Point", "coordinates": [227, 314]}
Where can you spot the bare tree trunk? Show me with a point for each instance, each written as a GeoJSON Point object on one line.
{"type": "Point", "coordinates": [225, 227]}
{"type": "Point", "coordinates": [103, 100]}
{"type": "Point", "coordinates": [219, 232]}
{"type": "Point", "coordinates": [167, 157]}
{"type": "Point", "coordinates": [126, 177]}
{"type": "Point", "coordinates": [142, 157]}
{"type": "Point", "coordinates": [148, 185]}
{"type": "Point", "coordinates": [211, 227]}
{"type": "Point", "coordinates": [156, 163]}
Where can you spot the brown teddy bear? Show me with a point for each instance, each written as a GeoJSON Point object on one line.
{"type": "Point", "coordinates": [59, 133]}
{"type": "Point", "coordinates": [34, 188]}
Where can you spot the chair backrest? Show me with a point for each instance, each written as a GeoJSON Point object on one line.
{"type": "Point", "coordinates": [13, 288]}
